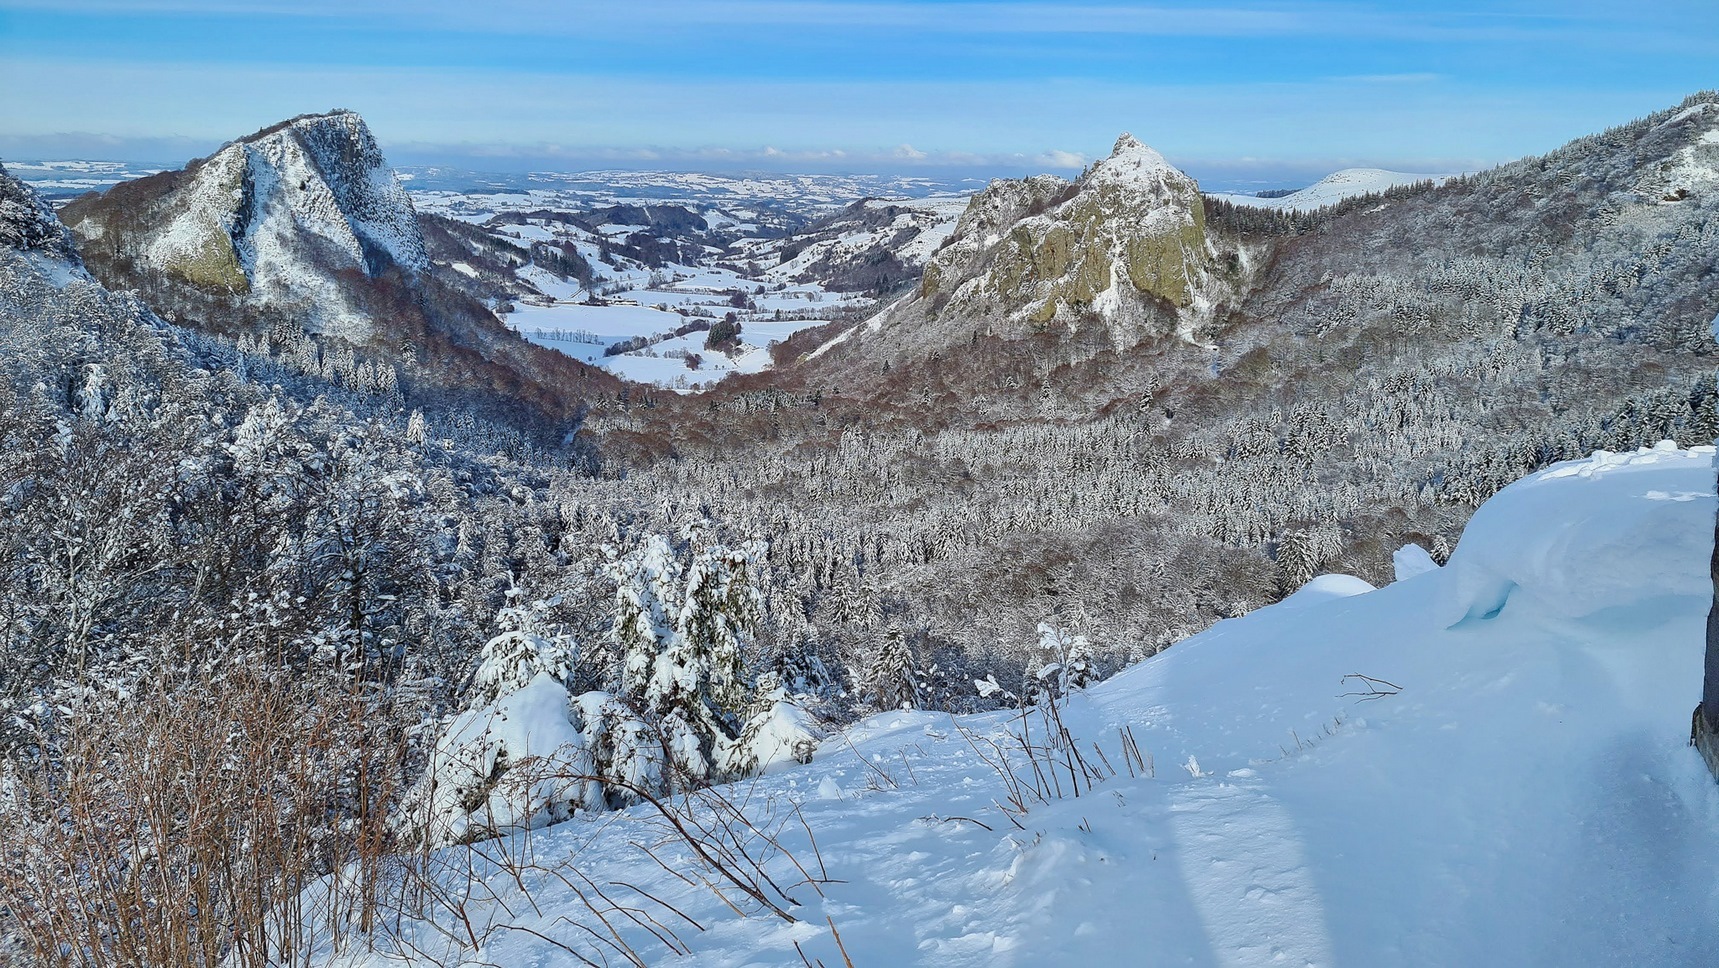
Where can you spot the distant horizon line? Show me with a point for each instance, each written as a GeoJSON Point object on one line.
{"type": "Point", "coordinates": [1215, 177]}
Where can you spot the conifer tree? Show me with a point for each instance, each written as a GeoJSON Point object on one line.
{"type": "Point", "coordinates": [889, 678]}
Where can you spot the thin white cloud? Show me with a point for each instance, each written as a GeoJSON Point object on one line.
{"type": "Point", "coordinates": [1418, 77]}
{"type": "Point", "coordinates": [851, 124]}
{"type": "Point", "coordinates": [1063, 159]}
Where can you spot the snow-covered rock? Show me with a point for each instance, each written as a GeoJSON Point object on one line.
{"type": "Point", "coordinates": [1128, 235]}
{"type": "Point", "coordinates": [28, 224]}
{"type": "Point", "coordinates": [273, 218]}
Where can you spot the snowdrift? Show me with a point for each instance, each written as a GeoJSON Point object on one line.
{"type": "Point", "coordinates": [1510, 785]}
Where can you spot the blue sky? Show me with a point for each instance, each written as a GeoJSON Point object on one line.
{"type": "Point", "coordinates": [1237, 93]}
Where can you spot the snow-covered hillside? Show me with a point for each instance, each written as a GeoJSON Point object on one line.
{"type": "Point", "coordinates": [273, 219]}
{"type": "Point", "coordinates": [908, 230]}
{"type": "Point", "coordinates": [1483, 764]}
{"type": "Point", "coordinates": [1334, 188]}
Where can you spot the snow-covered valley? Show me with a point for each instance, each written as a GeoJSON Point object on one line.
{"type": "Point", "coordinates": [764, 272]}
{"type": "Point", "coordinates": [773, 277]}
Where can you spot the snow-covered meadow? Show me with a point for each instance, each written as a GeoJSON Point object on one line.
{"type": "Point", "coordinates": [1480, 764]}
{"type": "Point", "coordinates": [1333, 188]}
{"type": "Point", "coordinates": [652, 304]}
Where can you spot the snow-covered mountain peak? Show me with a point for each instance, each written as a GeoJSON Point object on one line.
{"type": "Point", "coordinates": [274, 217]}
{"type": "Point", "coordinates": [1132, 159]}
{"type": "Point", "coordinates": [328, 174]}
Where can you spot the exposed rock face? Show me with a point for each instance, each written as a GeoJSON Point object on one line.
{"type": "Point", "coordinates": [301, 228]}
{"type": "Point", "coordinates": [28, 224]}
{"type": "Point", "coordinates": [271, 219]}
{"type": "Point", "coordinates": [1130, 232]}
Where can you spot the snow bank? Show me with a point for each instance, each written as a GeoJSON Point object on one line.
{"type": "Point", "coordinates": [1411, 560]}
{"type": "Point", "coordinates": [1324, 588]}
{"type": "Point", "coordinates": [1642, 520]}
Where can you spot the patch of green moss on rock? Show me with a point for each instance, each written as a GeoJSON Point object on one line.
{"type": "Point", "coordinates": [931, 282]}
{"type": "Point", "coordinates": [214, 266]}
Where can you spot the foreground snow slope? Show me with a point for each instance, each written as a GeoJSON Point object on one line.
{"type": "Point", "coordinates": [1526, 798]}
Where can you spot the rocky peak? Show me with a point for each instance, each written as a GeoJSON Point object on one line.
{"type": "Point", "coordinates": [1134, 167]}
{"type": "Point", "coordinates": [1125, 244]}
{"type": "Point", "coordinates": [342, 176]}
{"type": "Point", "coordinates": [272, 219]}
{"type": "Point", "coordinates": [1130, 154]}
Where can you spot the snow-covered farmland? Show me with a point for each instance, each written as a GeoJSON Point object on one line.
{"type": "Point", "coordinates": [585, 330]}
{"type": "Point", "coordinates": [742, 255]}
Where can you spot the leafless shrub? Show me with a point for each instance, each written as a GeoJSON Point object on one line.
{"type": "Point", "coordinates": [178, 827]}
{"type": "Point", "coordinates": [1049, 766]}
{"type": "Point", "coordinates": [1367, 688]}
{"type": "Point", "coordinates": [446, 907]}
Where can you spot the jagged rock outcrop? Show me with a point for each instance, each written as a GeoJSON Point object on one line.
{"type": "Point", "coordinates": [28, 224]}
{"type": "Point", "coordinates": [1119, 257]}
{"type": "Point", "coordinates": [1128, 233]}
{"type": "Point", "coordinates": [269, 220]}
{"type": "Point", "coordinates": [301, 228]}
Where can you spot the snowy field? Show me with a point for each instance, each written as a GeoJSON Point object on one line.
{"type": "Point", "coordinates": [583, 331]}
{"type": "Point", "coordinates": [1333, 188]}
{"type": "Point", "coordinates": [62, 180]}
{"type": "Point", "coordinates": [477, 197]}
{"type": "Point", "coordinates": [1511, 786]}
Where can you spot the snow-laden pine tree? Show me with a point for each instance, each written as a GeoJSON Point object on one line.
{"type": "Point", "coordinates": [889, 677]}
{"type": "Point", "coordinates": [719, 610]}
{"type": "Point", "coordinates": [647, 590]}
{"type": "Point", "coordinates": [1301, 553]}
{"type": "Point", "coordinates": [517, 756]}
{"type": "Point", "coordinates": [683, 632]}
{"type": "Point", "coordinates": [527, 646]}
